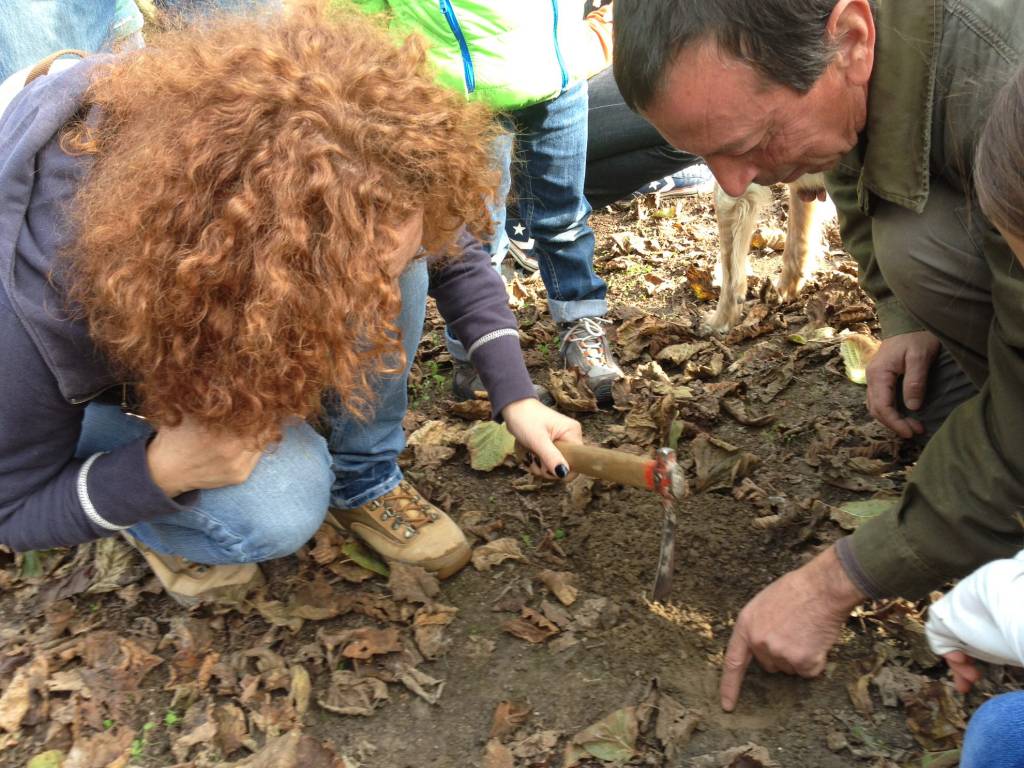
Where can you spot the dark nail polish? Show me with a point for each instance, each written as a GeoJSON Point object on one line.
{"type": "Point", "coordinates": [562, 470]}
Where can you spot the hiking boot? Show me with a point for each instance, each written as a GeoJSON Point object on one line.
{"type": "Point", "coordinates": [403, 526]}
{"type": "Point", "coordinates": [467, 385]}
{"type": "Point", "coordinates": [585, 347]}
{"type": "Point", "coordinates": [191, 584]}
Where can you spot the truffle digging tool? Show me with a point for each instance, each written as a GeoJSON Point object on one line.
{"type": "Point", "coordinates": [661, 474]}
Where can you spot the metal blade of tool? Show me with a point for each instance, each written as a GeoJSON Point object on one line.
{"type": "Point", "coordinates": [661, 475]}
{"type": "Point", "coordinates": [664, 468]}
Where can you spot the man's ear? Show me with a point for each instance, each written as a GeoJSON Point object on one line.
{"type": "Point", "coordinates": [851, 26]}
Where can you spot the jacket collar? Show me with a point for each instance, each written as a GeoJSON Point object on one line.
{"type": "Point", "coordinates": [897, 137]}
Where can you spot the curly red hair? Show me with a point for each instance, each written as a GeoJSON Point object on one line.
{"type": "Point", "coordinates": [248, 184]}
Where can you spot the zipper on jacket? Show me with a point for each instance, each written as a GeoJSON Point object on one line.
{"type": "Point", "coordinates": [558, 50]}
{"type": "Point", "coordinates": [467, 61]}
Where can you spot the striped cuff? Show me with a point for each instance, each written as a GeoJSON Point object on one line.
{"type": "Point", "coordinates": [488, 337]}
{"type": "Point", "coordinates": [83, 497]}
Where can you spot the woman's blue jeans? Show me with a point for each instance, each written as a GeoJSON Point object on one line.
{"type": "Point", "coordinates": [546, 175]}
{"type": "Point", "coordinates": [30, 32]}
{"type": "Point", "coordinates": [286, 497]}
{"type": "Point", "coordinates": [995, 735]}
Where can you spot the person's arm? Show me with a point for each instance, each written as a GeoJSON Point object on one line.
{"type": "Point", "coordinates": [472, 299]}
{"type": "Point", "coordinates": [907, 351]}
{"type": "Point", "coordinates": [855, 227]}
{"type": "Point", "coordinates": [983, 615]}
{"type": "Point", "coordinates": [598, 34]}
{"type": "Point", "coordinates": [959, 507]}
{"type": "Point", "coordinates": [48, 498]}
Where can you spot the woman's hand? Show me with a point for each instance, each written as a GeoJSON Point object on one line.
{"type": "Point", "coordinates": [536, 427]}
{"type": "Point", "coordinates": [190, 457]}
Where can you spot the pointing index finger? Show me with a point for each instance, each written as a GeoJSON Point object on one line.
{"type": "Point", "coordinates": [734, 668]}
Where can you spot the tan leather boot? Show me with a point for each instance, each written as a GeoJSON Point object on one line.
{"type": "Point", "coordinates": [192, 583]}
{"type": "Point", "coordinates": [401, 525]}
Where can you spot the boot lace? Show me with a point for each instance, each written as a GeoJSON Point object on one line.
{"type": "Point", "coordinates": [406, 508]}
{"type": "Point", "coordinates": [588, 334]}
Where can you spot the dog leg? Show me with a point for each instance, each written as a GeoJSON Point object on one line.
{"type": "Point", "coordinates": [737, 217]}
{"type": "Point", "coordinates": [803, 234]}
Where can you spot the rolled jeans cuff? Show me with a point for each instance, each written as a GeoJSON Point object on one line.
{"type": "Point", "coordinates": [366, 487]}
{"type": "Point", "coordinates": [564, 312]}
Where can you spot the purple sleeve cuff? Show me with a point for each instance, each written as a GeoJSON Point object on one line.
{"type": "Point", "coordinates": [503, 372]}
{"type": "Point", "coordinates": [122, 492]}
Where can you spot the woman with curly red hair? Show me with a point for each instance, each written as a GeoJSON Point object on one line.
{"type": "Point", "coordinates": [219, 233]}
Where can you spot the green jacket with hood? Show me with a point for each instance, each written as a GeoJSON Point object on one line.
{"type": "Point", "coordinates": [938, 65]}
{"type": "Point", "coordinates": [507, 54]}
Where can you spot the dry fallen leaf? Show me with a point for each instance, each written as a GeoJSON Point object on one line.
{"type": "Point", "coordinates": [768, 237]}
{"type": "Point", "coordinates": [508, 716]}
{"type": "Point", "coordinates": [494, 552]}
{"type": "Point", "coordinates": [368, 641]}
{"type": "Point", "coordinates": [413, 584]}
{"type": "Point", "coordinates": [679, 354]}
{"type": "Point", "coordinates": [101, 750]}
{"type": "Point", "coordinates": [718, 464]}
{"type": "Point", "coordinates": [530, 626]}
{"type": "Point", "coordinates": [560, 584]}
{"type": "Point", "coordinates": [428, 629]}
{"type": "Point", "coordinates": [419, 682]}
{"type": "Point", "coordinates": [327, 546]}
{"type": "Point", "coordinates": [204, 733]}
{"type": "Point", "coordinates": [497, 755]}
{"type": "Point", "coordinates": [749, 755]}
{"type": "Point", "coordinates": [294, 749]}
{"type": "Point", "coordinates": [25, 691]}
{"type": "Point", "coordinates": [300, 690]}
{"type": "Point", "coordinates": [349, 694]}
{"type": "Point", "coordinates": [570, 390]}
{"type": "Point", "coordinates": [472, 410]}
{"type": "Point", "coordinates": [536, 747]}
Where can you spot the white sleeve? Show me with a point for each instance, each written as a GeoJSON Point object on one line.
{"type": "Point", "coordinates": [983, 615]}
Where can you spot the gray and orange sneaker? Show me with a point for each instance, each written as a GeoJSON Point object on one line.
{"type": "Point", "coordinates": [586, 348]}
{"type": "Point", "coordinates": [403, 526]}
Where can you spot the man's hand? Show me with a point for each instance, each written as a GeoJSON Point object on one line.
{"type": "Point", "coordinates": [189, 457]}
{"type": "Point", "coordinates": [965, 674]}
{"type": "Point", "coordinates": [537, 427]}
{"type": "Point", "coordinates": [908, 355]}
{"type": "Point", "coordinates": [791, 624]}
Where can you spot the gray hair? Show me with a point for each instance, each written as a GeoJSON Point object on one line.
{"type": "Point", "coordinates": [784, 40]}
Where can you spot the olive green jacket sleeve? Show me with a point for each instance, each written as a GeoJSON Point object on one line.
{"type": "Point", "coordinates": [855, 226]}
{"type": "Point", "coordinates": [964, 501]}
{"type": "Point", "coordinates": [937, 67]}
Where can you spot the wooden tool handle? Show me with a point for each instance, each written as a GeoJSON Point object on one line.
{"type": "Point", "coordinates": [606, 464]}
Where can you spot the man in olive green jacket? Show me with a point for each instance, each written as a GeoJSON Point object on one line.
{"type": "Point", "coordinates": [890, 97]}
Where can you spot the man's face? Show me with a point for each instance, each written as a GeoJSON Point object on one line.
{"type": "Point", "coordinates": [750, 130]}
